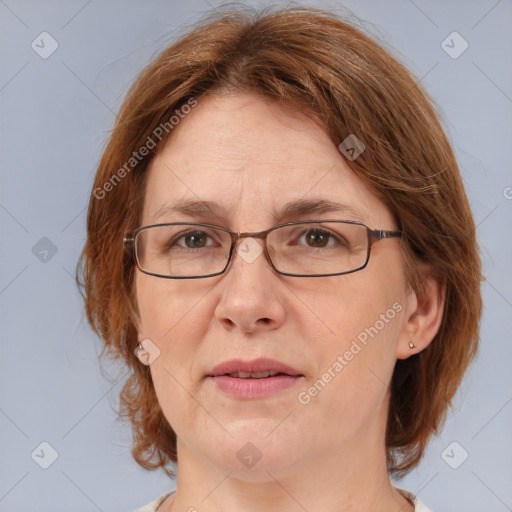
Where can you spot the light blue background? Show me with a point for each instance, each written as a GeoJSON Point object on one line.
{"type": "Point", "coordinates": [55, 115]}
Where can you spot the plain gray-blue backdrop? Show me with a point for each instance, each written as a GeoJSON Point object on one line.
{"type": "Point", "coordinates": [65, 67]}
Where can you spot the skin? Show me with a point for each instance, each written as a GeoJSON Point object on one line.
{"type": "Point", "coordinates": [252, 157]}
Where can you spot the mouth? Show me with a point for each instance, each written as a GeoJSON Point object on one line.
{"type": "Point", "coordinates": [256, 375]}
{"type": "Point", "coordinates": [257, 369]}
{"type": "Point", "coordinates": [259, 378]}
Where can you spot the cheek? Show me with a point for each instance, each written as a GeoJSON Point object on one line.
{"type": "Point", "coordinates": [359, 324]}
{"type": "Point", "coordinates": [355, 367]}
{"type": "Point", "coordinates": [354, 306]}
{"type": "Point", "coordinates": [165, 306]}
{"type": "Point", "coordinates": [175, 320]}
{"type": "Point", "coordinates": [171, 319]}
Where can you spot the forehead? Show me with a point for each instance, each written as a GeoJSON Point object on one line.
{"type": "Point", "coordinates": [252, 158]}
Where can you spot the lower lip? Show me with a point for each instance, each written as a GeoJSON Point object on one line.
{"type": "Point", "coordinates": [255, 388]}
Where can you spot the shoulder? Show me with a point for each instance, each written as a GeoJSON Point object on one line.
{"type": "Point", "coordinates": [151, 507]}
{"type": "Point", "coordinates": [418, 505]}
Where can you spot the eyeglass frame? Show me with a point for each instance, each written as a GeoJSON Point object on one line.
{"type": "Point", "coordinates": [374, 235]}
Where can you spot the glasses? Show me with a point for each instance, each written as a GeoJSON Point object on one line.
{"type": "Point", "coordinates": [312, 248]}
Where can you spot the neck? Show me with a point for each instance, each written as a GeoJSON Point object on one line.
{"type": "Point", "coordinates": [350, 478]}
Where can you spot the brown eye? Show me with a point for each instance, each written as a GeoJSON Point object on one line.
{"type": "Point", "coordinates": [317, 238]}
{"type": "Point", "coordinates": [195, 240]}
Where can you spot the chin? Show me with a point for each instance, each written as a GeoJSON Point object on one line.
{"type": "Point", "coordinates": [255, 447]}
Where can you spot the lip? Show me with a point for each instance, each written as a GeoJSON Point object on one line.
{"type": "Point", "coordinates": [254, 388]}
{"type": "Point", "coordinates": [262, 364]}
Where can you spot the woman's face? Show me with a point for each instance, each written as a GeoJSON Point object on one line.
{"type": "Point", "coordinates": [343, 333]}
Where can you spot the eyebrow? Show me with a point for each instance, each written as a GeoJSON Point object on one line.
{"type": "Point", "coordinates": [297, 208]}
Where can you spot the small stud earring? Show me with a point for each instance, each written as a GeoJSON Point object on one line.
{"type": "Point", "coordinates": [411, 345]}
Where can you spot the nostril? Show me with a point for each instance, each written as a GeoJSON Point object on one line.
{"type": "Point", "coordinates": [229, 322]}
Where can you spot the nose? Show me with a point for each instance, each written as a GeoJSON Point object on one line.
{"type": "Point", "coordinates": [251, 300]}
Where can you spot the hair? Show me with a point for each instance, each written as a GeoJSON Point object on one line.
{"type": "Point", "coordinates": [317, 62]}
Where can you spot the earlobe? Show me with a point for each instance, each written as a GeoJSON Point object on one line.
{"type": "Point", "coordinates": [425, 313]}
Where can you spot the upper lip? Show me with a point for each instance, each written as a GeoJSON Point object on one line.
{"type": "Point", "coordinates": [262, 364]}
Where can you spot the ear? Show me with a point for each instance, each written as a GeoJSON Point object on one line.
{"type": "Point", "coordinates": [424, 313]}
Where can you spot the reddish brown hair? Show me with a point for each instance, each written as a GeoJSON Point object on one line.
{"type": "Point", "coordinates": [319, 63]}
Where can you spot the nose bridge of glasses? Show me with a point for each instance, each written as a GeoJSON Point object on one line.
{"type": "Point", "coordinates": [249, 234]}
{"type": "Point", "coordinates": [251, 251]}
{"type": "Point", "coordinates": [240, 236]}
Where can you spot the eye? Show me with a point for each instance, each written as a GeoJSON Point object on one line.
{"type": "Point", "coordinates": [192, 240]}
{"type": "Point", "coordinates": [321, 238]}
{"type": "Point", "coordinates": [316, 238]}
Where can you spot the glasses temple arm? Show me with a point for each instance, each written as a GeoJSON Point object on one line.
{"type": "Point", "coordinates": [381, 234]}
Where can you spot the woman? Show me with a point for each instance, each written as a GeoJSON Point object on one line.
{"type": "Point", "coordinates": [280, 248]}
